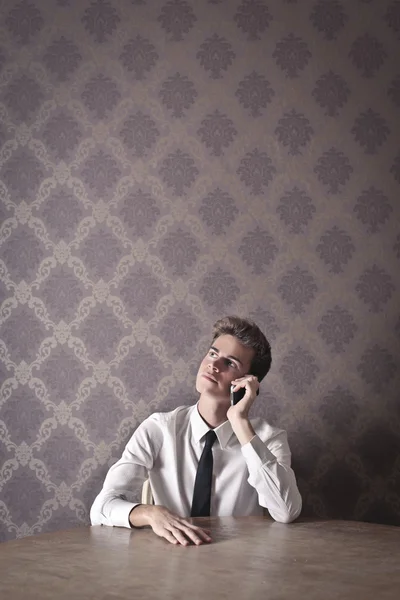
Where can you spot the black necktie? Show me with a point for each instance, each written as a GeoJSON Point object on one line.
{"type": "Point", "coordinates": [202, 484]}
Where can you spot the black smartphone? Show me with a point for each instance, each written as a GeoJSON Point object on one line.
{"type": "Point", "coordinates": [238, 395]}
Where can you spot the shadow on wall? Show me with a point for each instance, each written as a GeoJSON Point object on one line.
{"type": "Point", "coordinates": [348, 473]}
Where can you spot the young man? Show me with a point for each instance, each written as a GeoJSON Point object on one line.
{"type": "Point", "coordinates": [246, 464]}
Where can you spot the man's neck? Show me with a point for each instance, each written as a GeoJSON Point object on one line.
{"type": "Point", "coordinates": [212, 413]}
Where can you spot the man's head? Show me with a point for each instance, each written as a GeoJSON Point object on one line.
{"type": "Point", "coordinates": [238, 348]}
{"type": "Point", "coordinates": [250, 336]}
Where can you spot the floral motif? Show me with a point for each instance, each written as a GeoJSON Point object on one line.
{"type": "Point", "coordinates": [62, 58]}
{"type": "Point", "coordinates": [100, 172]}
{"type": "Point", "coordinates": [333, 170]}
{"type": "Point", "coordinates": [141, 291]}
{"type": "Point", "coordinates": [370, 130]}
{"type": "Point", "coordinates": [253, 18]}
{"type": "Point", "coordinates": [102, 413]}
{"type": "Point", "coordinates": [258, 250]}
{"type": "Point", "coordinates": [101, 251]}
{"type": "Point", "coordinates": [392, 17]}
{"type": "Point", "coordinates": [23, 414]}
{"type": "Point", "coordinates": [140, 211]}
{"type": "Point", "coordinates": [63, 454]}
{"type": "Point", "coordinates": [296, 210]}
{"type": "Point", "coordinates": [24, 21]}
{"type": "Point", "coordinates": [22, 332]}
{"type": "Point", "coordinates": [177, 18]}
{"type": "Point", "coordinates": [395, 168]}
{"type": "Point", "coordinates": [256, 171]}
{"type": "Point", "coordinates": [335, 249]}
{"type": "Point", "coordinates": [328, 17]}
{"type": "Point", "coordinates": [337, 328]}
{"type": "Point", "coordinates": [339, 410]}
{"type": "Point", "coordinates": [215, 55]}
{"type": "Point", "coordinates": [368, 55]}
{"type": "Point", "coordinates": [217, 132]}
{"type": "Point", "coordinates": [23, 252]}
{"type": "Point", "coordinates": [180, 251]}
{"type": "Point", "coordinates": [219, 290]}
{"type": "Point", "coordinates": [298, 289]}
{"type": "Point", "coordinates": [26, 494]}
{"type": "Point", "coordinates": [63, 212]}
{"type": "Point", "coordinates": [396, 246]}
{"type": "Point", "coordinates": [377, 367]}
{"type": "Point", "coordinates": [254, 92]}
{"type": "Point", "coordinates": [139, 56]}
{"type": "Point", "coordinates": [178, 93]}
{"type": "Point", "coordinates": [331, 92]}
{"type": "Point", "coordinates": [299, 369]}
{"type": "Point", "coordinates": [139, 134]}
{"type": "Point", "coordinates": [23, 174]}
{"type": "Point", "coordinates": [375, 287]}
{"type": "Point", "coordinates": [23, 97]}
{"type": "Point", "coordinates": [266, 322]}
{"type": "Point", "coordinates": [373, 209]}
{"type": "Point", "coordinates": [179, 397]}
{"type": "Point", "coordinates": [100, 19]}
{"type": "Point", "coordinates": [218, 211]}
{"type": "Point", "coordinates": [101, 95]}
{"type": "Point", "coordinates": [136, 372]}
{"type": "Point", "coordinates": [294, 130]}
{"type": "Point", "coordinates": [379, 459]}
{"type": "Point", "coordinates": [62, 135]}
{"type": "Point", "coordinates": [63, 373]}
{"type": "Point", "coordinates": [180, 330]}
{"type": "Point", "coordinates": [2, 59]}
{"type": "Point", "coordinates": [291, 55]}
{"type": "Point", "coordinates": [101, 340]}
{"type": "Point", "coordinates": [63, 292]}
{"type": "Point", "coordinates": [179, 171]}
{"type": "Point", "coordinates": [394, 91]}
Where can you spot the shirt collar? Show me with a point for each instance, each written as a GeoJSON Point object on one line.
{"type": "Point", "coordinates": [200, 428]}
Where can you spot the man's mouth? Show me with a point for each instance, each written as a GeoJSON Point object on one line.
{"type": "Point", "coordinates": [207, 376]}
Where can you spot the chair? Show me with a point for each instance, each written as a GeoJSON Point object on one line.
{"type": "Point", "coordinates": [147, 495]}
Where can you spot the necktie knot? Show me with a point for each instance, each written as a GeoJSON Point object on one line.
{"type": "Point", "coordinates": [210, 438]}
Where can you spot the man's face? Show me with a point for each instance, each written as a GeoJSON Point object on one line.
{"type": "Point", "coordinates": [226, 360]}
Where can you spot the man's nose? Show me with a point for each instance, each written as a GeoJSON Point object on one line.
{"type": "Point", "coordinates": [215, 365]}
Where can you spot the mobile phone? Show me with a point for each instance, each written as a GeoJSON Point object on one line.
{"type": "Point", "coordinates": [238, 395]}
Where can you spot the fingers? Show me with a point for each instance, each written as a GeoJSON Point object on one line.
{"type": "Point", "coordinates": [196, 534]}
{"type": "Point", "coordinates": [179, 531]}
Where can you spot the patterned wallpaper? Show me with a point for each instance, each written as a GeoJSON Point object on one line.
{"type": "Point", "coordinates": [162, 164]}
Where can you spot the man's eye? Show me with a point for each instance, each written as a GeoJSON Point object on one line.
{"type": "Point", "coordinates": [212, 353]}
{"type": "Point", "coordinates": [231, 364]}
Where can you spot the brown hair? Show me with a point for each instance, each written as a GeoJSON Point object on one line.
{"type": "Point", "coordinates": [250, 335]}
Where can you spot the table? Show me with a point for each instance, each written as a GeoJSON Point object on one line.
{"type": "Point", "coordinates": [250, 558]}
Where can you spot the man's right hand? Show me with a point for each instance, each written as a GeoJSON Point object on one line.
{"type": "Point", "coordinates": [166, 524]}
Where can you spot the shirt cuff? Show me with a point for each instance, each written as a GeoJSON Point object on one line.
{"type": "Point", "coordinates": [120, 512]}
{"type": "Point", "coordinates": [256, 453]}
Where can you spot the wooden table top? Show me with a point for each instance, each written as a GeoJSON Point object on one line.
{"type": "Point", "coordinates": [250, 558]}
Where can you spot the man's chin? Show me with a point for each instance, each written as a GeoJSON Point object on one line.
{"type": "Point", "coordinates": [216, 396]}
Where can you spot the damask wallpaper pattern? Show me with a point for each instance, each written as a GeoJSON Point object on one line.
{"type": "Point", "coordinates": [162, 164]}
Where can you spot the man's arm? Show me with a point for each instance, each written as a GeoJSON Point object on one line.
{"type": "Point", "coordinates": [268, 461]}
{"type": "Point", "coordinates": [118, 502]}
{"type": "Point", "coordinates": [124, 481]}
{"type": "Point", "coordinates": [273, 478]}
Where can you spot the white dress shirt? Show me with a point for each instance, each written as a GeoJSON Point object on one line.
{"type": "Point", "coordinates": [166, 448]}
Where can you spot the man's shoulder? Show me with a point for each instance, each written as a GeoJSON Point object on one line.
{"type": "Point", "coordinates": [179, 414]}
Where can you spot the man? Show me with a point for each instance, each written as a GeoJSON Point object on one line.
{"type": "Point", "coordinates": [243, 467]}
